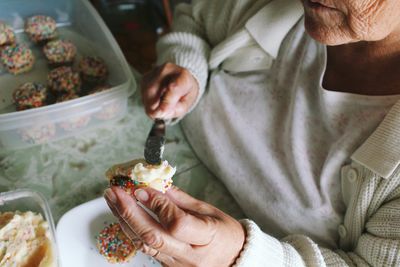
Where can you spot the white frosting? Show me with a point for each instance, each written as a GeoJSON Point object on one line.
{"type": "Point", "coordinates": [146, 173]}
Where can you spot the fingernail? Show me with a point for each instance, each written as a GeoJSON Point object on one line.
{"type": "Point", "coordinates": [110, 196]}
{"type": "Point", "coordinates": [141, 195]}
{"type": "Point", "coordinates": [154, 106]}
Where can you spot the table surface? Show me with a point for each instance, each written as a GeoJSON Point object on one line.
{"type": "Point", "coordinates": [71, 171]}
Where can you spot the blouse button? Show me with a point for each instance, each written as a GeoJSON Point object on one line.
{"type": "Point", "coordinates": [352, 175]}
{"type": "Point", "coordinates": [342, 231]}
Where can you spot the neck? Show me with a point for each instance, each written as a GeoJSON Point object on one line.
{"type": "Point", "coordinates": [365, 67]}
{"type": "Point", "coordinates": [368, 52]}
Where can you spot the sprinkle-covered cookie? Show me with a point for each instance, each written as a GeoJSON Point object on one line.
{"type": "Point", "coordinates": [114, 245]}
{"type": "Point", "coordinates": [93, 69]}
{"type": "Point", "coordinates": [7, 35]}
{"type": "Point", "coordinates": [41, 28]}
{"type": "Point", "coordinates": [64, 80]}
{"type": "Point", "coordinates": [60, 52]}
{"type": "Point", "coordinates": [17, 58]}
{"type": "Point", "coordinates": [30, 95]}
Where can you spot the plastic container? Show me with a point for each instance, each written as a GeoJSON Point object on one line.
{"type": "Point", "coordinates": [28, 200]}
{"type": "Point", "coordinates": [78, 22]}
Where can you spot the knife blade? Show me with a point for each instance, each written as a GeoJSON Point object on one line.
{"type": "Point", "coordinates": [154, 147]}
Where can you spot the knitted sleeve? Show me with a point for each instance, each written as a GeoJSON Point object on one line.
{"type": "Point", "coordinates": [261, 249]}
{"type": "Point", "coordinates": [187, 45]}
{"type": "Point", "coordinates": [377, 245]}
{"type": "Point", "coordinates": [298, 250]}
{"type": "Point", "coordinates": [197, 28]}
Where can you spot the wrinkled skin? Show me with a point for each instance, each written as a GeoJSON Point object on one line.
{"type": "Point", "coordinates": [363, 38]}
{"type": "Point", "coordinates": [352, 20]}
{"type": "Point", "coordinates": [189, 232]}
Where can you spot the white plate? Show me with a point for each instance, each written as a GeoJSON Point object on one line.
{"type": "Point", "coordinates": [76, 231]}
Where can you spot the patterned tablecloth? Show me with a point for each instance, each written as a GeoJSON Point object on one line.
{"type": "Point", "coordinates": [71, 171]}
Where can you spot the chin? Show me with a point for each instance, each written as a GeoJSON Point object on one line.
{"type": "Point", "coordinates": [326, 35]}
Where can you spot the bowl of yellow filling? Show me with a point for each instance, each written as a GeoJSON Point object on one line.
{"type": "Point", "coordinates": [27, 235]}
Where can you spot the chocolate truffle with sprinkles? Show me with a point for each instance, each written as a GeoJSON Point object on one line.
{"type": "Point", "coordinates": [93, 69]}
{"type": "Point", "coordinates": [30, 95]}
{"type": "Point", "coordinates": [41, 29]}
{"type": "Point", "coordinates": [114, 245]}
{"type": "Point", "coordinates": [7, 35]}
{"type": "Point", "coordinates": [17, 58]}
{"type": "Point", "coordinates": [64, 80]}
{"type": "Point", "coordinates": [60, 52]}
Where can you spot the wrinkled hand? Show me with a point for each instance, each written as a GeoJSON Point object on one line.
{"type": "Point", "coordinates": [190, 232]}
{"type": "Point", "coordinates": [168, 91]}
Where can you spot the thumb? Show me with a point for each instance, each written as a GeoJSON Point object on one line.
{"type": "Point", "coordinates": [195, 230]}
{"type": "Point", "coordinates": [142, 225]}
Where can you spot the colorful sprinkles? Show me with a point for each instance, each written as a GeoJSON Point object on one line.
{"type": "Point", "coordinates": [64, 80]}
{"type": "Point", "coordinates": [59, 51]}
{"type": "Point", "coordinates": [126, 183]}
{"type": "Point", "coordinates": [41, 28]}
{"type": "Point", "coordinates": [93, 69]}
{"type": "Point", "coordinates": [17, 58]}
{"type": "Point", "coordinates": [114, 245]}
{"type": "Point", "coordinates": [7, 35]}
{"type": "Point", "coordinates": [30, 95]}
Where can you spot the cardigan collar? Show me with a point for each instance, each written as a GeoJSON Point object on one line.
{"type": "Point", "coordinates": [264, 30]}
{"type": "Point", "coordinates": [268, 22]}
{"type": "Point", "coordinates": [381, 151]}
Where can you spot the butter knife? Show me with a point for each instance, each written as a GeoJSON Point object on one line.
{"type": "Point", "coordinates": [154, 147]}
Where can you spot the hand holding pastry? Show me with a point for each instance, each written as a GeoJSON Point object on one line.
{"type": "Point", "coordinates": [190, 232]}
{"type": "Point", "coordinates": [168, 91]}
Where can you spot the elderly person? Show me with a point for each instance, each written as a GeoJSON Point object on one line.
{"type": "Point", "coordinates": [293, 106]}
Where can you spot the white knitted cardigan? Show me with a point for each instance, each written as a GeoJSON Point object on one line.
{"type": "Point", "coordinates": [211, 34]}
